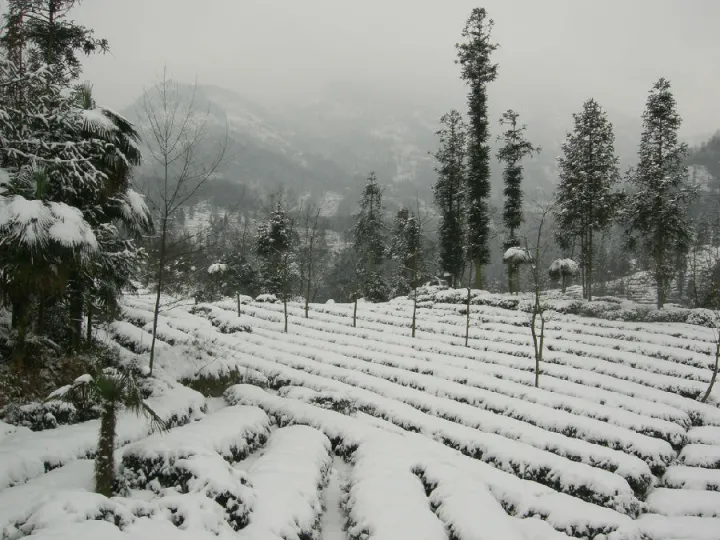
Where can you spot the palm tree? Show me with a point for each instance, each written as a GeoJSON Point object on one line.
{"type": "Point", "coordinates": [113, 389]}
{"type": "Point", "coordinates": [120, 213]}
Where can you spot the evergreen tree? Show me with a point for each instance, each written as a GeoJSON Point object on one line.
{"type": "Point", "coordinates": [449, 191]}
{"type": "Point", "coordinates": [585, 202]}
{"type": "Point", "coordinates": [369, 242]}
{"type": "Point", "coordinates": [477, 71]}
{"type": "Point", "coordinates": [656, 212]}
{"type": "Point", "coordinates": [407, 252]}
{"type": "Point", "coordinates": [273, 243]}
{"type": "Point", "coordinates": [515, 148]}
{"type": "Point", "coordinates": [66, 190]}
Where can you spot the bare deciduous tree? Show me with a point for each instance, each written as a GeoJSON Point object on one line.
{"type": "Point", "coordinates": [539, 308]}
{"type": "Point", "coordinates": [310, 219]}
{"type": "Point", "coordinates": [178, 144]}
{"type": "Point", "coordinates": [713, 378]}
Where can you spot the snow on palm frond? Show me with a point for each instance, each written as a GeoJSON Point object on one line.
{"type": "Point", "coordinates": [95, 121]}
{"type": "Point", "coordinates": [563, 267]}
{"type": "Point", "coordinates": [135, 211]}
{"type": "Point", "coordinates": [34, 224]}
{"type": "Point", "coordinates": [517, 255]}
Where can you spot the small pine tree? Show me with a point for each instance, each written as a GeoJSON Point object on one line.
{"type": "Point", "coordinates": [584, 202]}
{"type": "Point", "coordinates": [449, 191]}
{"type": "Point", "coordinates": [369, 242]}
{"type": "Point", "coordinates": [273, 242]}
{"type": "Point", "coordinates": [515, 148]}
{"type": "Point", "coordinates": [478, 71]}
{"type": "Point", "coordinates": [656, 212]}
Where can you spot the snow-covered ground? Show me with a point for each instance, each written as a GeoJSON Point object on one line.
{"type": "Point", "coordinates": [366, 433]}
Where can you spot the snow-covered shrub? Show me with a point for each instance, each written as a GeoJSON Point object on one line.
{"type": "Point", "coordinates": [213, 477]}
{"type": "Point", "coordinates": [48, 415]}
{"type": "Point", "coordinates": [330, 302]}
{"type": "Point", "coordinates": [702, 317]}
{"type": "Point", "coordinates": [267, 298]}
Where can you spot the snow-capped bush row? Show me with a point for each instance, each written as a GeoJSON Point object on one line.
{"type": "Point", "coordinates": [562, 381]}
{"type": "Point", "coordinates": [596, 373]}
{"type": "Point", "coordinates": [521, 498]}
{"type": "Point", "coordinates": [464, 403]}
{"type": "Point", "coordinates": [431, 364]}
{"type": "Point", "coordinates": [25, 455]}
{"type": "Point", "coordinates": [287, 480]}
{"type": "Point", "coordinates": [233, 433]}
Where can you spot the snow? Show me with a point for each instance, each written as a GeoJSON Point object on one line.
{"type": "Point", "coordinates": [217, 268]}
{"type": "Point", "coordinates": [96, 121]}
{"type": "Point", "coordinates": [517, 255]}
{"type": "Point", "coordinates": [25, 455]}
{"type": "Point", "coordinates": [387, 436]}
{"type": "Point", "coordinates": [684, 477]}
{"type": "Point", "coordinates": [287, 479]}
{"type": "Point", "coordinates": [34, 223]}
{"type": "Point", "coordinates": [230, 432]}
{"type": "Point", "coordinates": [564, 266]}
{"type": "Point", "coordinates": [684, 502]}
{"type": "Point", "coordinates": [701, 455]}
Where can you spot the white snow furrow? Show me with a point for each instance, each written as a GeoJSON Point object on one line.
{"type": "Point", "coordinates": [288, 479]}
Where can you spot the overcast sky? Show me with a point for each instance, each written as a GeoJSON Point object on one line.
{"type": "Point", "coordinates": [554, 53]}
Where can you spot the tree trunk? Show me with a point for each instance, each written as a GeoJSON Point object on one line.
{"type": "Point", "coordinates": [582, 264]}
{"type": "Point", "coordinates": [715, 372]}
{"type": "Point", "coordinates": [75, 308]}
{"type": "Point", "coordinates": [158, 294]}
{"type": "Point", "coordinates": [355, 313]}
{"type": "Point", "coordinates": [589, 277]}
{"type": "Point", "coordinates": [88, 330]}
{"type": "Point", "coordinates": [105, 458]}
{"type": "Point", "coordinates": [510, 277]}
{"type": "Point", "coordinates": [307, 295]}
{"type": "Point", "coordinates": [467, 310]}
{"type": "Point", "coordinates": [660, 279]}
{"type": "Point", "coordinates": [285, 312]}
{"type": "Point", "coordinates": [239, 310]}
{"type": "Point", "coordinates": [40, 321]}
{"type": "Point", "coordinates": [414, 310]}
{"type": "Point", "coordinates": [478, 274]}
{"type": "Point", "coordinates": [564, 283]}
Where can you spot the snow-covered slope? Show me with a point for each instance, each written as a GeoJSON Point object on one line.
{"type": "Point", "coordinates": [366, 433]}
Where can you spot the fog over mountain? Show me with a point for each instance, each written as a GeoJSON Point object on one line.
{"type": "Point", "coordinates": [318, 93]}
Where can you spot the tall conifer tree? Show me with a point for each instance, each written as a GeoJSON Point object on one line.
{"type": "Point", "coordinates": [515, 148]}
{"type": "Point", "coordinates": [477, 71]}
{"type": "Point", "coordinates": [449, 191]}
{"type": "Point", "coordinates": [656, 213]}
{"type": "Point", "coordinates": [585, 202]}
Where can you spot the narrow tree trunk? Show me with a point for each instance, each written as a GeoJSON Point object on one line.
{"type": "Point", "coordinates": [714, 374]}
{"type": "Point", "coordinates": [564, 283]}
{"type": "Point", "coordinates": [414, 310]}
{"type": "Point", "coordinates": [478, 274]}
{"type": "Point", "coordinates": [467, 310]}
{"type": "Point", "coordinates": [88, 330]}
{"type": "Point", "coordinates": [40, 321]}
{"type": "Point", "coordinates": [105, 458]}
{"type": "Point", "coordinates": [582, 265]}
{"type": "Point", "coordinates": [510, 278]}
{"type": "Point", "coordinates": [307, 295]}
{"type": "Point", "coordinates": [158, 294]}
{"type": "Point", "coordinates": [76, 315]}
{"type": "Point", "coordinates": [285, 312]}
{"type": "Point", "coordinates": [589, 277]}
{"type": "Point", "coordinates": [239, 310]}
{"type": "Point", "coordinates": [355, 312]}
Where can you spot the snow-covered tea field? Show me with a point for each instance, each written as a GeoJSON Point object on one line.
{"type": "Point", "coordinates": [363, 433]}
